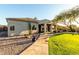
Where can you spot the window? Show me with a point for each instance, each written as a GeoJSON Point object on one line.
{"type": "Point", "coordinates": [33, 28]}
{"type": "Point", "coordinates": [12, 28]}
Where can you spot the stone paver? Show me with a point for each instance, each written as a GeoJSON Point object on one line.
{"type": "Point", "coordinates": [40, 47]}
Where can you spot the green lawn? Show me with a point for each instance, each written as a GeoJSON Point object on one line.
{"type": "Point", "coordinates": [64, 44]}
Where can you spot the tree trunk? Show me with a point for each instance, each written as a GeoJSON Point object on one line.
{"type": "Point", "coordinates": [55, 27]}
{"type": "Point", "coordinates": [71, 26]}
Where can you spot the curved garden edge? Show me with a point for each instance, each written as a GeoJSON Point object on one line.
{"type": "Point", "coordinates": [64, 46]}
{"type": "Point", "coordinates": [64, 33]}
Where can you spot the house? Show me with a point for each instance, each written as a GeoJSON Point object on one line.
{"type": "Point", "coordinates": [3, 28]}
{"type": "Point", "coordinates": [3, 31]}
{"type": "Point", "coordinates": [22, 26]}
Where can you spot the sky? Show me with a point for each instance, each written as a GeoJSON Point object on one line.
{"type": "Point", "coordinates": [41, 11]}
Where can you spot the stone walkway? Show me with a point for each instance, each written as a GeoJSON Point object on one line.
{"type": "Point", "coordinates": [40, 47]}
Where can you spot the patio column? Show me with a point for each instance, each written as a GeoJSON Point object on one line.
{"type": "Point", "coordinates": [45, 28]}
{"type": "Point", "coordinates": [51, 28]}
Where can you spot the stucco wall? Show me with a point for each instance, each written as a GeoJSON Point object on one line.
{"type": "Point", "coordinates": [36, 25]}
{"type": "Point", "coordinates": [21, 28]}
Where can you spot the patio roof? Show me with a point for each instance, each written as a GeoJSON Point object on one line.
{"type": "Point", "coordinates": [44, 21]}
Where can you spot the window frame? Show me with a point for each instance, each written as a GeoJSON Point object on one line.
{"type": "Point", "coordinates": [12, 28]}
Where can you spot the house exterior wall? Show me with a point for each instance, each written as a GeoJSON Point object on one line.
{"type": "Point", "coordinates": [21, 28]}
{"type": "Point", "coordinates": [36, 26]}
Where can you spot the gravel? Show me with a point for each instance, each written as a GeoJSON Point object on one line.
{"type": "Point", "coordinates": [14, 46]}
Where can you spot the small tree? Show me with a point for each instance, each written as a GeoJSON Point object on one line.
{"type": "Point", "coordinates": [67, 17]}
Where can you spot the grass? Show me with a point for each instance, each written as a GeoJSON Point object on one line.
{"type": "Point", "coordinates": [64, 44]}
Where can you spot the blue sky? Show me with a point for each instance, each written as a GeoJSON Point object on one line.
{"type": "Point", "coordinates": [41, 11]}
